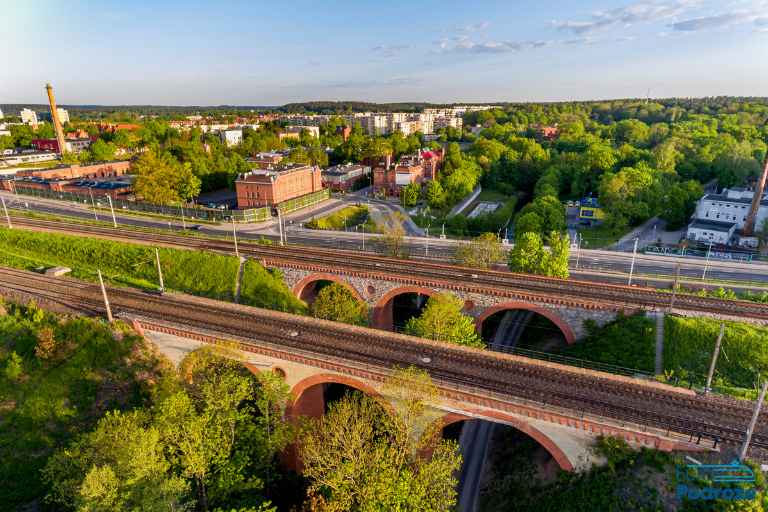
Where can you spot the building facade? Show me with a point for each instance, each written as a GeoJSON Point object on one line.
{"type": "Point", "coordinates": [75, 145]}
{"type": "Point", "coordinates": [231, 137]}
{"type": "Point", "coordinates": [28, 116]}
{"type": "Point", "coordinates": [270, 187]}
{"type": "Point", "coordinates": [718, 217]}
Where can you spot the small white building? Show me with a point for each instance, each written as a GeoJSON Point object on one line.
{"type": "Point", "coordinates": [28, 116]}
{"type": "Point", "coordinates": [231, 137]}
{"type": "Point", "coordinates": [77, 145]}
{"type": "Point", "coordinates": [712, 231]}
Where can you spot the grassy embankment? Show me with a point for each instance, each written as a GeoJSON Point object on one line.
{"type": "Point", "coordinates": [57, 377]}
{"type": "Point", "coordinates": [688, 346]}
{"type": "Point", "coordinates": [348, 217]}
{"type": "Point", "coordinates": [195, 272]}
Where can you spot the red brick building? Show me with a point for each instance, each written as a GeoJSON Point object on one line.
{"type": "Point", "coordinates": [418, 168]}
{"type": "Point", "coordinates": [265, 160]}
{"type": "Point", "coordinates": [269, 187]}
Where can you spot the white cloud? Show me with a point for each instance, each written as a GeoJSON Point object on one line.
{"type": "Point", "coordinates": [638, 12]}
{"type": "Point", "coordinates": [389, 50]}
{"type": "Point", "coordinates": [464, 44]}
{"type": "Point", "coordinates": [725, 19]}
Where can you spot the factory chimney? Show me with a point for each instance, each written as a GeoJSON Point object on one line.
{"type": "Point", "coordinates": [55, 119]}
{"type": "Point", "coordinates": [749, 225]}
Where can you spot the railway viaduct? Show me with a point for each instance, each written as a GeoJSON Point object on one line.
{"type": "Point", "coordinates": [566, 435]}
{"type": "Point", "coordinates": [379, 290]}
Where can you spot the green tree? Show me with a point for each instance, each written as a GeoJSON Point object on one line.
{"type": "Point", "coordinates": [528, 254]}
{"type": "Point", "coordinates": [119, 466]}
{"type": "Point", "coordinates": [409, 195]}
{"type": "Point", "coordinates": [22, 135]}
{"type": "Point", "coordinates": [102, 151]}
{"type": "Point", "coordinates": [359, 457]}
{"type": "Point", "coordinates": [443, 320]}
{"type": "Point", "coordinates": [482, 252]}
{"type": "Point", "coordinates": [393, 236]}
{"type": "Point", "coordinates": [160, 179]}
{"type": "Point", "coordinates": [435, 195]}
{"type": "Point", "coordinates": [556, 264]}
{"type": "Point", "coordinates": [335, 302]}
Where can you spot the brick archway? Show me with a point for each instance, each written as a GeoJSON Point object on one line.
{"type": "Point", "coordinates": [382, 311]}
{"type": "Point", "coordinates": [307, 394]}
{"type": "Point", "coordinates": [545, 441]}
{"type": "Point", "coordinates": [299, 288]}
{"type": "Point", "coordinates": [568, 333]}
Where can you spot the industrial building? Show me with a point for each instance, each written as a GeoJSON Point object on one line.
{"type": "Point", "coordinates": [417, 168]}
{"type": "Point", "coordinates": [719, 217]}
{"type": "Point", "coordinates": [270, 187]}
{"type": "Point", "coordinates": [73, 145]}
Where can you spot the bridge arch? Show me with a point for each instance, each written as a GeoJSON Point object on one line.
{"type": "Point", "coordinates": [498, 417]}
{"type": "Point", "coordinates": [305, 289]}
{"type": "Point", "coordinates": [565, 328]}
{"type": "Point", "coordinates": [383, 310]}
{"type": "Point", "coordinates": [309, 400]}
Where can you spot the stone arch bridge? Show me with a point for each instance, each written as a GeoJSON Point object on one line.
{"type": "Point", "coordinates": [380, 290]}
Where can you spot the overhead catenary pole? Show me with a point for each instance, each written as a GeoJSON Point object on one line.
{"type": "Point", "coordinates": [93, 203]}
{"type": "Point", "coordinates": [578, 249]}
{"type": "Point", "coordinates": [280, 226]}
{"type": "Point", "coordinates": [632, 266]}
{"type": "Point", "coordinates": [234, 235]}
{"type": "Point", "coordinates": [104, 294]}
{"type": "Point", "coordinates": [112, 209]}
{"type": "Point", "coordinates": [753, 421]}
{"type": "Point", "coordinates": [183, 222]}
{"type": "Point", "coordinates": [7, 217]}
{"type": "Point", "coordinates": [159, 270]}
{"type": "Point", "coordinates": [426, 243]}
{"type": "Point", "coordinates": [715, 354]}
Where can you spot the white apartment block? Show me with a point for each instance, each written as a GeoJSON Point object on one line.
{"type": "Point", "coordinates": [29, 116]}
{"type": "Point", "coordinates": [63, 115]}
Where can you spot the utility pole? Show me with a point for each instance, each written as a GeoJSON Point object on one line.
{"type": "Point", "coordinates": [716, 353]}
{"type": "Point", "coordinates": [632, 266]}
{"type": "Point", "coordinates": [5, 209]}
{"type": "Point", "coordinates": [363, 237]}
{"type": "Point", "coordinates": [442, 235]}
{"type": "Point", "coordinates": [159, 270]}
{"type": "Point", "coordinates": [104, 294]}
{"type": "Point", "coordinates": [706, 262]}
{"type": "Point", "coordinates": [426, 243]}
{"type": "Point", "coordinates": [755, 415]}
{"type": "Point", "coordinates": [112, 209]}
{"type": "Point", "coordinates": [93, 203]}
{"type": "Point", "coordinates": [183, 222]}
{"type": "Point", "coordinates": [234, 234]}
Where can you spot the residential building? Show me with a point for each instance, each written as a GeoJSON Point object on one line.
{"type": "Point", "coordinates": [4, 130]}
{"type": "Point", "coordinates": [29, 116]}
{"type": "Point", "coordinates": [432, 160]}
{"type": "Point", "coordinates": [2, 116]}
{"type": "Point", "coordinates": [231, 137]}
{"type": "Point", "coordinates": [46, 116]}
{"type": "Point", "coordinates": [389, 180]}
{"type": "Point", "coordinates": [345, 177]}
{"type": "Point", "coordinates": [314, 131]}
{"type": "Point", "coordinates": [270, 187]}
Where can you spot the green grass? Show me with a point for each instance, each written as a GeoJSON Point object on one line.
{"type": "Point", "coordinates": [492, 196]}
{"type": "Point", "coordinates": [353, 215]}
{"type": "Point", "coordinates": [627, 341]}
{"type": "Point", "coordinates": [688, 347]}
{"type": "Point", "coordinates": [199, 273]}
{"type": "Point", "coordinates": [598, 237]}
{"type": "Point", "coordinates": [89, 370]}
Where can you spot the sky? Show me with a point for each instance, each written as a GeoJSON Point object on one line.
{"type": "Point", "coordinates": [269, 53]}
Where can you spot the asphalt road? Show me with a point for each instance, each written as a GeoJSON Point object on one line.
{"type": "Point", "coordinates": [588, 264]}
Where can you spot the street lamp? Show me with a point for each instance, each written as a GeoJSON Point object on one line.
{"type": "Point", "coordinates": [632, 266]}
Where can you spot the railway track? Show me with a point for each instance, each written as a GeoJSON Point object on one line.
{"type": "Point", "coordinates": [586, 294]}
{"type": "Point", "coordinates": [603, 395]}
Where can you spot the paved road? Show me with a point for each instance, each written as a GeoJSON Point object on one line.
{"type": "Point", "coordinates": [592, 264]}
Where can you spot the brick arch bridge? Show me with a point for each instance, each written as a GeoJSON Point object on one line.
{"type": "Point", "coordinates": [567, 315]}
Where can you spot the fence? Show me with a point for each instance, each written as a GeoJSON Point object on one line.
{"type": "Point", "coordinates": [303, 201]}
{"type": "Point", "coordinates": [98, 199]}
